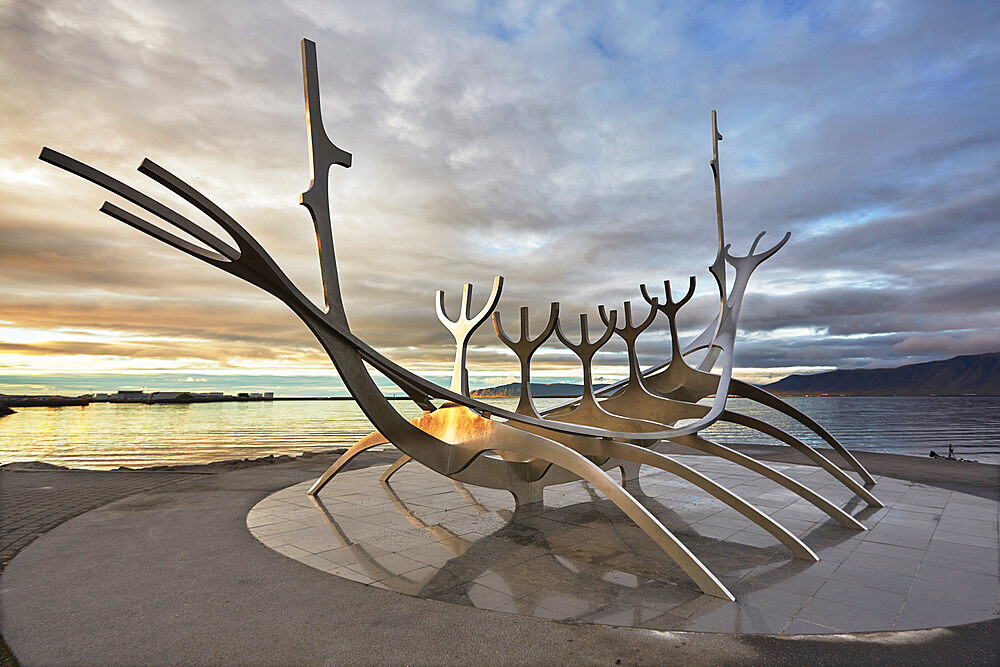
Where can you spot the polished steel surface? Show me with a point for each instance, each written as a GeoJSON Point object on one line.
{"type": "Point", "coordinates": [521, 452]}
{"type": "Point", "coordinates": [464, 326]}
{"type": "Point", "coordinates": [524, 347]}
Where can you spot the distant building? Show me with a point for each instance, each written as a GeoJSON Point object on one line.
{"type": "Point", "coordinates": [129, 396]}
{"type": "Point", "coordinates": [165, 395]}
{"type": "Point", "coordinates": [140, 396]}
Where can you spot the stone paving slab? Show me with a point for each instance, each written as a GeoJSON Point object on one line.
{"type": "Point", "coordinates": [578, 558]}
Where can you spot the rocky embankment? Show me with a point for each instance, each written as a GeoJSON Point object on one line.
{"type": "Point", "coordinates": [215, 466]}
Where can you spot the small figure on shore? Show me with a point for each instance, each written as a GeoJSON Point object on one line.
{"type": "Point", "coordinates": [951, 456]}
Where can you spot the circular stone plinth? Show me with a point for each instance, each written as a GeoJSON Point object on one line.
{"type": "Point", "coordinates": [929, 558]}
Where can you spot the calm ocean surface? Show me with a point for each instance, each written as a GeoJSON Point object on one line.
{"type": "Point", "coordinates": [104, 435]}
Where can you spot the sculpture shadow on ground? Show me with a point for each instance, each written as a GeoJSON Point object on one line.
{"type": "Point", "coordinates": [580, 562]}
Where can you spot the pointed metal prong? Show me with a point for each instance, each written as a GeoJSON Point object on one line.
{"type": "Point", "coordinates": [139, 199]}
{"type": "Point", "coordinates": [235, 230]}
{"type": "Point", "coordinates": [161, 235]}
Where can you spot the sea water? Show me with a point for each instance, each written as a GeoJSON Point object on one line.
{"type": "Point", "coordinates": [108, 435]}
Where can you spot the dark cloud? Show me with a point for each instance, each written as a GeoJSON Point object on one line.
{"type": "Point", "coordinates": [565, 147]}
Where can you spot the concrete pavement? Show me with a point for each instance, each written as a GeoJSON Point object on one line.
{"type": "Point", "coordinates": [172, 576]}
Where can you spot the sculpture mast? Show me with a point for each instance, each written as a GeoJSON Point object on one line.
{"type": "Point", "coordinates": [323, 154]}
{"type": "Point", "coordinates": [716, 138]}
{"type": "Point", "coordinates": [718, 267]}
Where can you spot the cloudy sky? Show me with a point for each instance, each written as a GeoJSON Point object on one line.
{"type": "Point", "coordinates": [562, 145]}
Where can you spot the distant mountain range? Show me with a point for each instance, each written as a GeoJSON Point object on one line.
{"type": "Point", "coordinates": [968, 374]}
{"type": "Point", "coordinates": [538, 390]}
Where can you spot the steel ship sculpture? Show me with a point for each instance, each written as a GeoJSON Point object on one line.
{"type": "Point", "coordinates": [523, 451]}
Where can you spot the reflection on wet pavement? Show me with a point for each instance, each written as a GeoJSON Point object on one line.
{"type": "Point", "coordinates": [578, 558]}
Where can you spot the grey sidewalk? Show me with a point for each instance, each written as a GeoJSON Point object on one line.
{"type": "Point", "coordinates": [33, 502]}
{"type": "Point", "coordinates": [172, 576]}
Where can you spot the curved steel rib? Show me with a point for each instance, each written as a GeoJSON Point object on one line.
{"type": "Point", "coordinates": [635, 401]}
{"type": "Point", "coordinates": [662, 410]}
{"type": "Point", "coordinates": [747, 390]}
{"type": "Point", "coordinates": [723, 452]}
{"type": "Point", "coordinates": [815, 456]}
{"type": "Point", "coordinates": [655, 459]}
{"type": "Point", "coordinates": [493, 435]}
{"type": "Point", "coordinates": [362, 445]}
{"type": "Point", "coordinates": [579, 465]}
{"type": "Point", "coordinates": [468, 436]}
{"type": "Point", "coordinates": [394, 468]}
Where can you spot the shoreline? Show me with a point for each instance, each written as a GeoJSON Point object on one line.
{"type": "Point", "coordinates": [188, 468]}
{"type": "Point", "coordinates": [60, 402]}
{"type": "Point", "coordinates": [946, 469]}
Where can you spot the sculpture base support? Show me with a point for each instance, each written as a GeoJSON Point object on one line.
{"type": "Point", "coordinates": [630, 472]}
{"type": "Point", "coordinates": [400, 462]}
{"type": "Point", "coordinates": [527, 494]}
